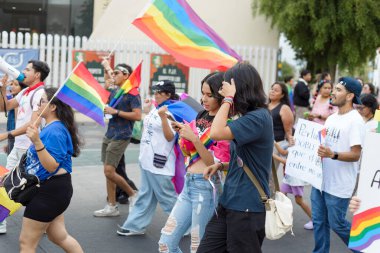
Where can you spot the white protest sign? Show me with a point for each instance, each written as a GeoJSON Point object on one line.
{"type": "Point", "coordinates": [303, 161]}
{"type": "Point", "coordinates": [365, 229]}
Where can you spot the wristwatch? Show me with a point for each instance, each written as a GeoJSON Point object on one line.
{"type": "Point", "coordinates": [335, 157]}
{"type": "Point", "coordinates": [10, 136]}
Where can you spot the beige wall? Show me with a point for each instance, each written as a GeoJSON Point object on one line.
{"type": "Point", "coordinates": [231, 19]}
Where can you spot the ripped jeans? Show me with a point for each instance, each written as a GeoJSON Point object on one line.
{"type": "Point", "coordinates": [194, 208]}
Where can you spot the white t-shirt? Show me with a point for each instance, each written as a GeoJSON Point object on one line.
{"type": "Point", "coordinates": [154, 141]}
{"type": "Point", "coordinates": [371, 125]}
{"type": "Point", "coordinates": [24, 114]}
{"type": "Point", "coordinates": [343, 132]}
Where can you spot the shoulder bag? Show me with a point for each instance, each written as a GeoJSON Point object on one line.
{"type": "Point", "coordinates": [279, 211]}
{"type": "Point", "coordinates": [20, 186]}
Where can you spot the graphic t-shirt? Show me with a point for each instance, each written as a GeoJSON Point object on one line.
{"type": "Point", "coordinates": [24, 114]}
{"type": "Point", "coordinates": [343, 132]}
{"type": "Point", "coordinates": [153, 141]}
{"type": "Point", "coordinates": [57, 141]}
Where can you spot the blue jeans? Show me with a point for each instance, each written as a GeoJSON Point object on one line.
{"type": "Point", "coordinates": [154, 189]}
{"type": "Point", "coordinates": [327, 212]}
{"type": "Point", "coordinates": [195, 207]}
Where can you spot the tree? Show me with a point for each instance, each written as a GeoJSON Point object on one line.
{"type": "Point", "coordinates": [327, 32]}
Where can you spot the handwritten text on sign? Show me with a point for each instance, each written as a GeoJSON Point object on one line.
{"type": "Point", "coordinates": [303, 161]}
{"type": "Point", "coordinates": [364, 235]}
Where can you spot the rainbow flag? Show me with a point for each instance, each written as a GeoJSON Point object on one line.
{"type": "Point", "coordinates": [322, 136]}
{"type": "Point", "coordinates": [82, 92]}
{"type": "Point", "coordinates": [7, 206]}
{"type": "Point", "coordinates": [175, 26]}
{"type": "Point", "coordinates": [130, 86]}
{"type": "Point", "coordinates": [365, 229]}
{"type": "Point", "coordinates": [189, 146]}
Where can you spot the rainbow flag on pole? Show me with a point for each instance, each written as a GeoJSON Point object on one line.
{"type": "Point", "coordinates": [130, 86]}
{"type": "Point", "coordinates": [82, 92]}
{"type": "Point", "coordinates": [175, 26]}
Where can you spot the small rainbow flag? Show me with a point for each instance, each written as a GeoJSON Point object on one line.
{"type": "Point", "coordinates": [130, 86]}
{"type": "Point", "coordinates": [189, 146]}
{"type": "Point", "coordinates": [174, 26]}
{"type": "Point", "coordinates": [365, 229]}
{"type": "Point", "coordinates": [82, 92]}
{"type": "Point", "coordinates": [322, 136]}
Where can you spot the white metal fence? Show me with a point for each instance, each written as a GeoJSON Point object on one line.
{"type": "Point", "coordinates": [56, 50]}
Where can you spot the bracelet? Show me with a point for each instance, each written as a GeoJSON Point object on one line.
{"type": "Point", "coordinates": [117, 112]}
{"type": "Point", "coordinates": [221, 166]}
{"type": "Point", "coordinates": [228, 100]}
{"type": "Point", "coordinates": [231, 97]}
{"type": "Point", "coordinates": [38, 150]}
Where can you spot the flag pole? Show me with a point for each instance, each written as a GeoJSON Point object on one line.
{"type": "Point", "coordinates": [56, 93]}
{"type": "Point", "coordinates": [129, 26]}
{"type": "Point", "coordinates": [119, 41]}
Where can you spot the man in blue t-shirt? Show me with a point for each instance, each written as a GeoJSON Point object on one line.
{"type": "Point", "coordinates": [116, 140]}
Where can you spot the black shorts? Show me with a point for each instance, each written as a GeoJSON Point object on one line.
{"type": "Point", "coordinates": [52, 200]}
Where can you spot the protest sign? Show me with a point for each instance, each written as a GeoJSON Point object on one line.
{"type": "Point", "coordinates": [365, 229]}
{"type": "Point", "coordinates": [303, 161]}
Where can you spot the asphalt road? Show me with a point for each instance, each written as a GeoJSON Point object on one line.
{"type": "Point", "coordinates": [98, 235]}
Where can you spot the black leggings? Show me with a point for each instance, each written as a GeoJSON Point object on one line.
{"type": "Point", "coordinates": [52, 200]}
{"type": "Point", "coordinates": [234, 232]}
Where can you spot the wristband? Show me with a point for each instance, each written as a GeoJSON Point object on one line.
{"type": "Point", "coordinates": [117, 113]}
{"type": "Point", "coordinates": [38, 150]}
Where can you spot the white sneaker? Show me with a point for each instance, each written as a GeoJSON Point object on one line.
{"type": "Point", "coordinates": [107, 211]}
{"type": "Point", "coordinates": [309, 225]}
{"type": "Point", "coordinates": [132, 201]}
{"type": "Point", "coordinates": [3, 227]}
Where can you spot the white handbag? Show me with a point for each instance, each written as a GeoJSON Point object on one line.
{"type": "Point", "coordinates": [279, 211]}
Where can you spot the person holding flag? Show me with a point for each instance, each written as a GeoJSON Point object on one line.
{"type": "Point", "coordinates": [125, 109]}
{"type": "Point", "coordinates": [49, 158]}
{"type": "Point", "coordinates": [157, 163]}
{"type": "Point", "coordinates": [26, 103]}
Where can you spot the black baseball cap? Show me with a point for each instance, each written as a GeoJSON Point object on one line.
{"type": "Point", "coordinates": [165, 86]}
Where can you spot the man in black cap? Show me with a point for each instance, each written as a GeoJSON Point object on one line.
{"type": "Point", "coordinates": [340, 153]}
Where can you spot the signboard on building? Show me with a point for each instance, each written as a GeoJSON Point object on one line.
{"type": "Point", "coordinates": [18, 58]}
{"type": "Point", "coordinates": [165, 67]}
{"type": "Point", "coordinates": [92, 61]}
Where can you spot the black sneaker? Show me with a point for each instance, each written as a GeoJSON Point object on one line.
{"type": "Point", "coordinates": [126, 232]}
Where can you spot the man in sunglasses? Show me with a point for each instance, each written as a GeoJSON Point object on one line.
{"type": "Point", "coordinates": [341, 153]}
{"type": "Point", "coordinates": [116, 140]}
{"type": "Point", "coordinates": [26, 103]}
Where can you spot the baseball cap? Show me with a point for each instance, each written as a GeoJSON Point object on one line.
{"type": "Point", "coordinates": [165, 85]}
{"type": "Point", "coordinates": [353, 86]}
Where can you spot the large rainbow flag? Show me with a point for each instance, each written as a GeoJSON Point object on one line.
{"type": "Point", "coordinates": [175, 26]}
{"type": "Point", "coordinates": [365, 229]}
{"type": "Point", "coordinates": [130, 86]}
{"type": "Point", "coordinates": [82, 92]}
